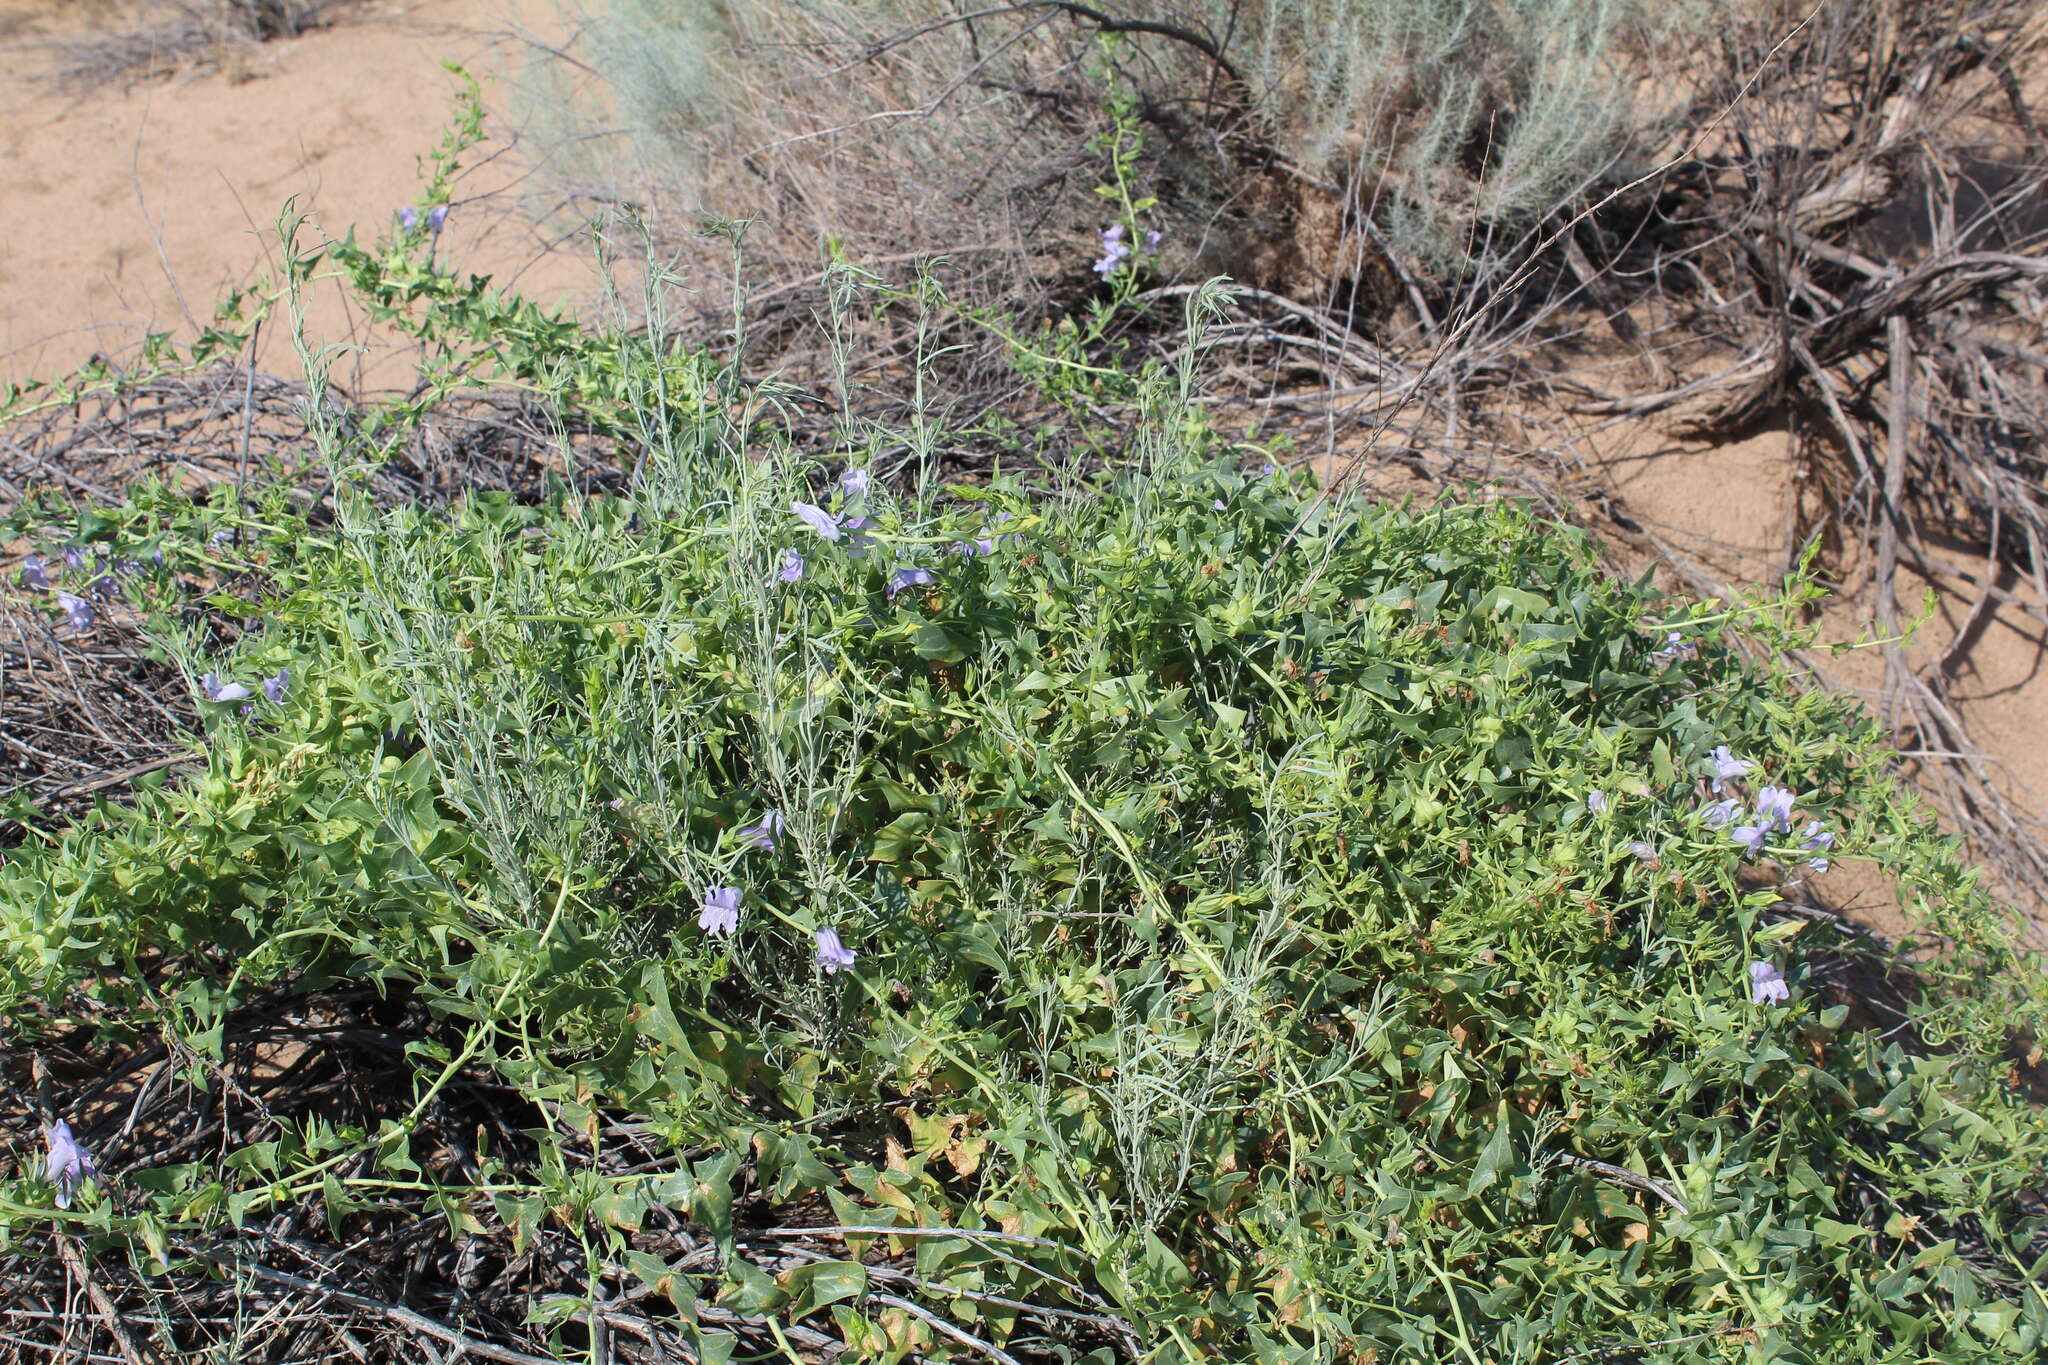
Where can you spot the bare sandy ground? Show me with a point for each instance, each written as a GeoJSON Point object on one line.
{"type": "Point", "coordinates": [130, 210]}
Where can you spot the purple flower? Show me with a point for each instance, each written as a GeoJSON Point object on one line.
{"type": "Point", "coordinates": [817, 518]}
{"type": "Point", "coordinates": [35, 572]}
{"type": "Point", "coordinates": [77, 610]}
{"type": "Point", "coordinates": [215, 690]}
{"type": "Point", "coordinates": [1767, 984]}
{"type": "Point", "coordinates": [436, 216]}
{"type": "Point", "coordinates": [721, 912]}
{"type": "Point", "coordinates": [223, 537]}
{"type": "Point", "coordinates": [981, 545]}
{"type": "Point", "coordinates": [854, 483]}
{"type": "Point", "coordinates": [858, 541]}
{"type": "Point", "coordinates": [408, 218]}
{"type": "Point", "coordinates": [273, 687]}
{"type": "Point", "coordinates": [1816, 864]}
{"type": "Point", "coordinates": [1676, 647]}
{"type": "Point", "coordinates": [69, 1164]}
{"type": "Point", "coordinates": [74, 555]}
{"type": "Point", "coordinates": [1219, 504]}
{"type": "Point", "coordinates": [792, 567]}
{"type": "Point", "coordinates": [909, 578]}
{"type": "Point", "coordinates": [105, 588]}
{"type": "Point", "coordinates": [1751, 837]}
{"type": "Point", "coordinates": [1816, 837]}
{"type": "Point", "coordinates": [1153, 239]}
{"type": "Point", "coordinates": [1114, 250]}
{"type": "Point", "coordinates": [833, 955]}
{"type": "Point", "coordinates": [1721, 813]}
{"type": "Point", "coordinates": [128, 568]}
{"type": "Point", "coordinates": [1774, 807]}
{"type": "Point", "coordinates": [1596, 802]}
{"type": "Point", "coordinates": [1727, 767]}
{"type": "Point", "coordinates": [765, 832]}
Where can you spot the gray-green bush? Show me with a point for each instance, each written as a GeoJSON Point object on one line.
{"type": "Point", "coordinates": [919, 127]}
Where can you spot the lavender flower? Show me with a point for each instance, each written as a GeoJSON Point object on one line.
{"type": "Point", "coordinates": [74, 556]}
{"type": "Point", "coordinates": [69, 1164]}
{"type": "Point", "coordinates": [1114, 250]}
{"type": "Point", "coordinates": [105, 588]}
{"type": "Point", "coordinates": [215, 690]}
{"type": "Point", "coordinates": [1727, 767]}
{"type": "Point", "coordinates": [792, 568]}
{"type": "Point", "coordinates": [817, 518]}
{"type": "Point", "coordinates": [1721, 813]}
{"type": "Point", "coordinates": [909, 578]}
{"type": "Point", "coordinates": [408, 218]}
{"type": "Point", "coordinates": [35, 572]}
{"type": "Point", "coordinates": [1817, 864]}
{"type": "Point", "coordinates": [1751, 837]}
{"type": "Point", "coordinates": [980, 545]}
{"type": "Point", "coordinates": [833, 956]}
{"type": "Point", "coordinates": [1816, 837]}
{"type": "Point", "coordinates": [128, 568]}
{"type": "Point", "coordinates": [1774, 807]}
{"type": "Point", "coordinates": [436, 216]}
{"type": "Point", "coordinates": [222, 538]}
{"type": "Point", "coordinates": [1153, 239]}
{"type": "Point", "coordinates": [858, 541]}
{"type": "Point", "coordinates": [1767, 984]}
{"type": "Point", "coordinates": [1646, 852]}
{"type": "Point", "coordinates": [763, 833]}
{"type": "Point", "coordinates": [274, 686]}
{"type": "Point", "coordinates": [854, 483]}
{"type": "Point", "coordinates": [721, 912]}
{"type": "Point", "coordinates": [77, 611]}
{"type": "Point", "coordinates": [1676, 647]}
{"type": "Point", "coordinates": [1219, 504]}
{"type": "Point", "coordinates": [1596, 802]}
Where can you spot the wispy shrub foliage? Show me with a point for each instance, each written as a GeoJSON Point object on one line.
{"type": "Point", "coordinates": [1454, 121]}
{"type": "Point", "coordinates": [1293, 928]}
{"type": "Point", "coordinates": [1449, 123]}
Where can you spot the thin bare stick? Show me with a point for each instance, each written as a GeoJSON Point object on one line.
{"type": "Point", "coordinates": [462, 1343]}
{"type": "Point", "coordinates": [1621, 1175]}
{"type": "Point", "coordinates": [1894, 513]}
{"type": "Point", "coordinates": [110, 1313]}
{"type": "Point", "coordinates": [947, 1329]}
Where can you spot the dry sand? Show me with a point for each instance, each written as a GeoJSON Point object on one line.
{"type": "Point", "coordinates": [128, 210]}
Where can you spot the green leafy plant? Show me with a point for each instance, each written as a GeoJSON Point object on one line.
{"type": "Point", "coordinates": [1263, 925]}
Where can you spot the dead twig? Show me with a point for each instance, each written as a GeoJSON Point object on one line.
{"type": "Point", "coordinates": [1621, 1175]}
